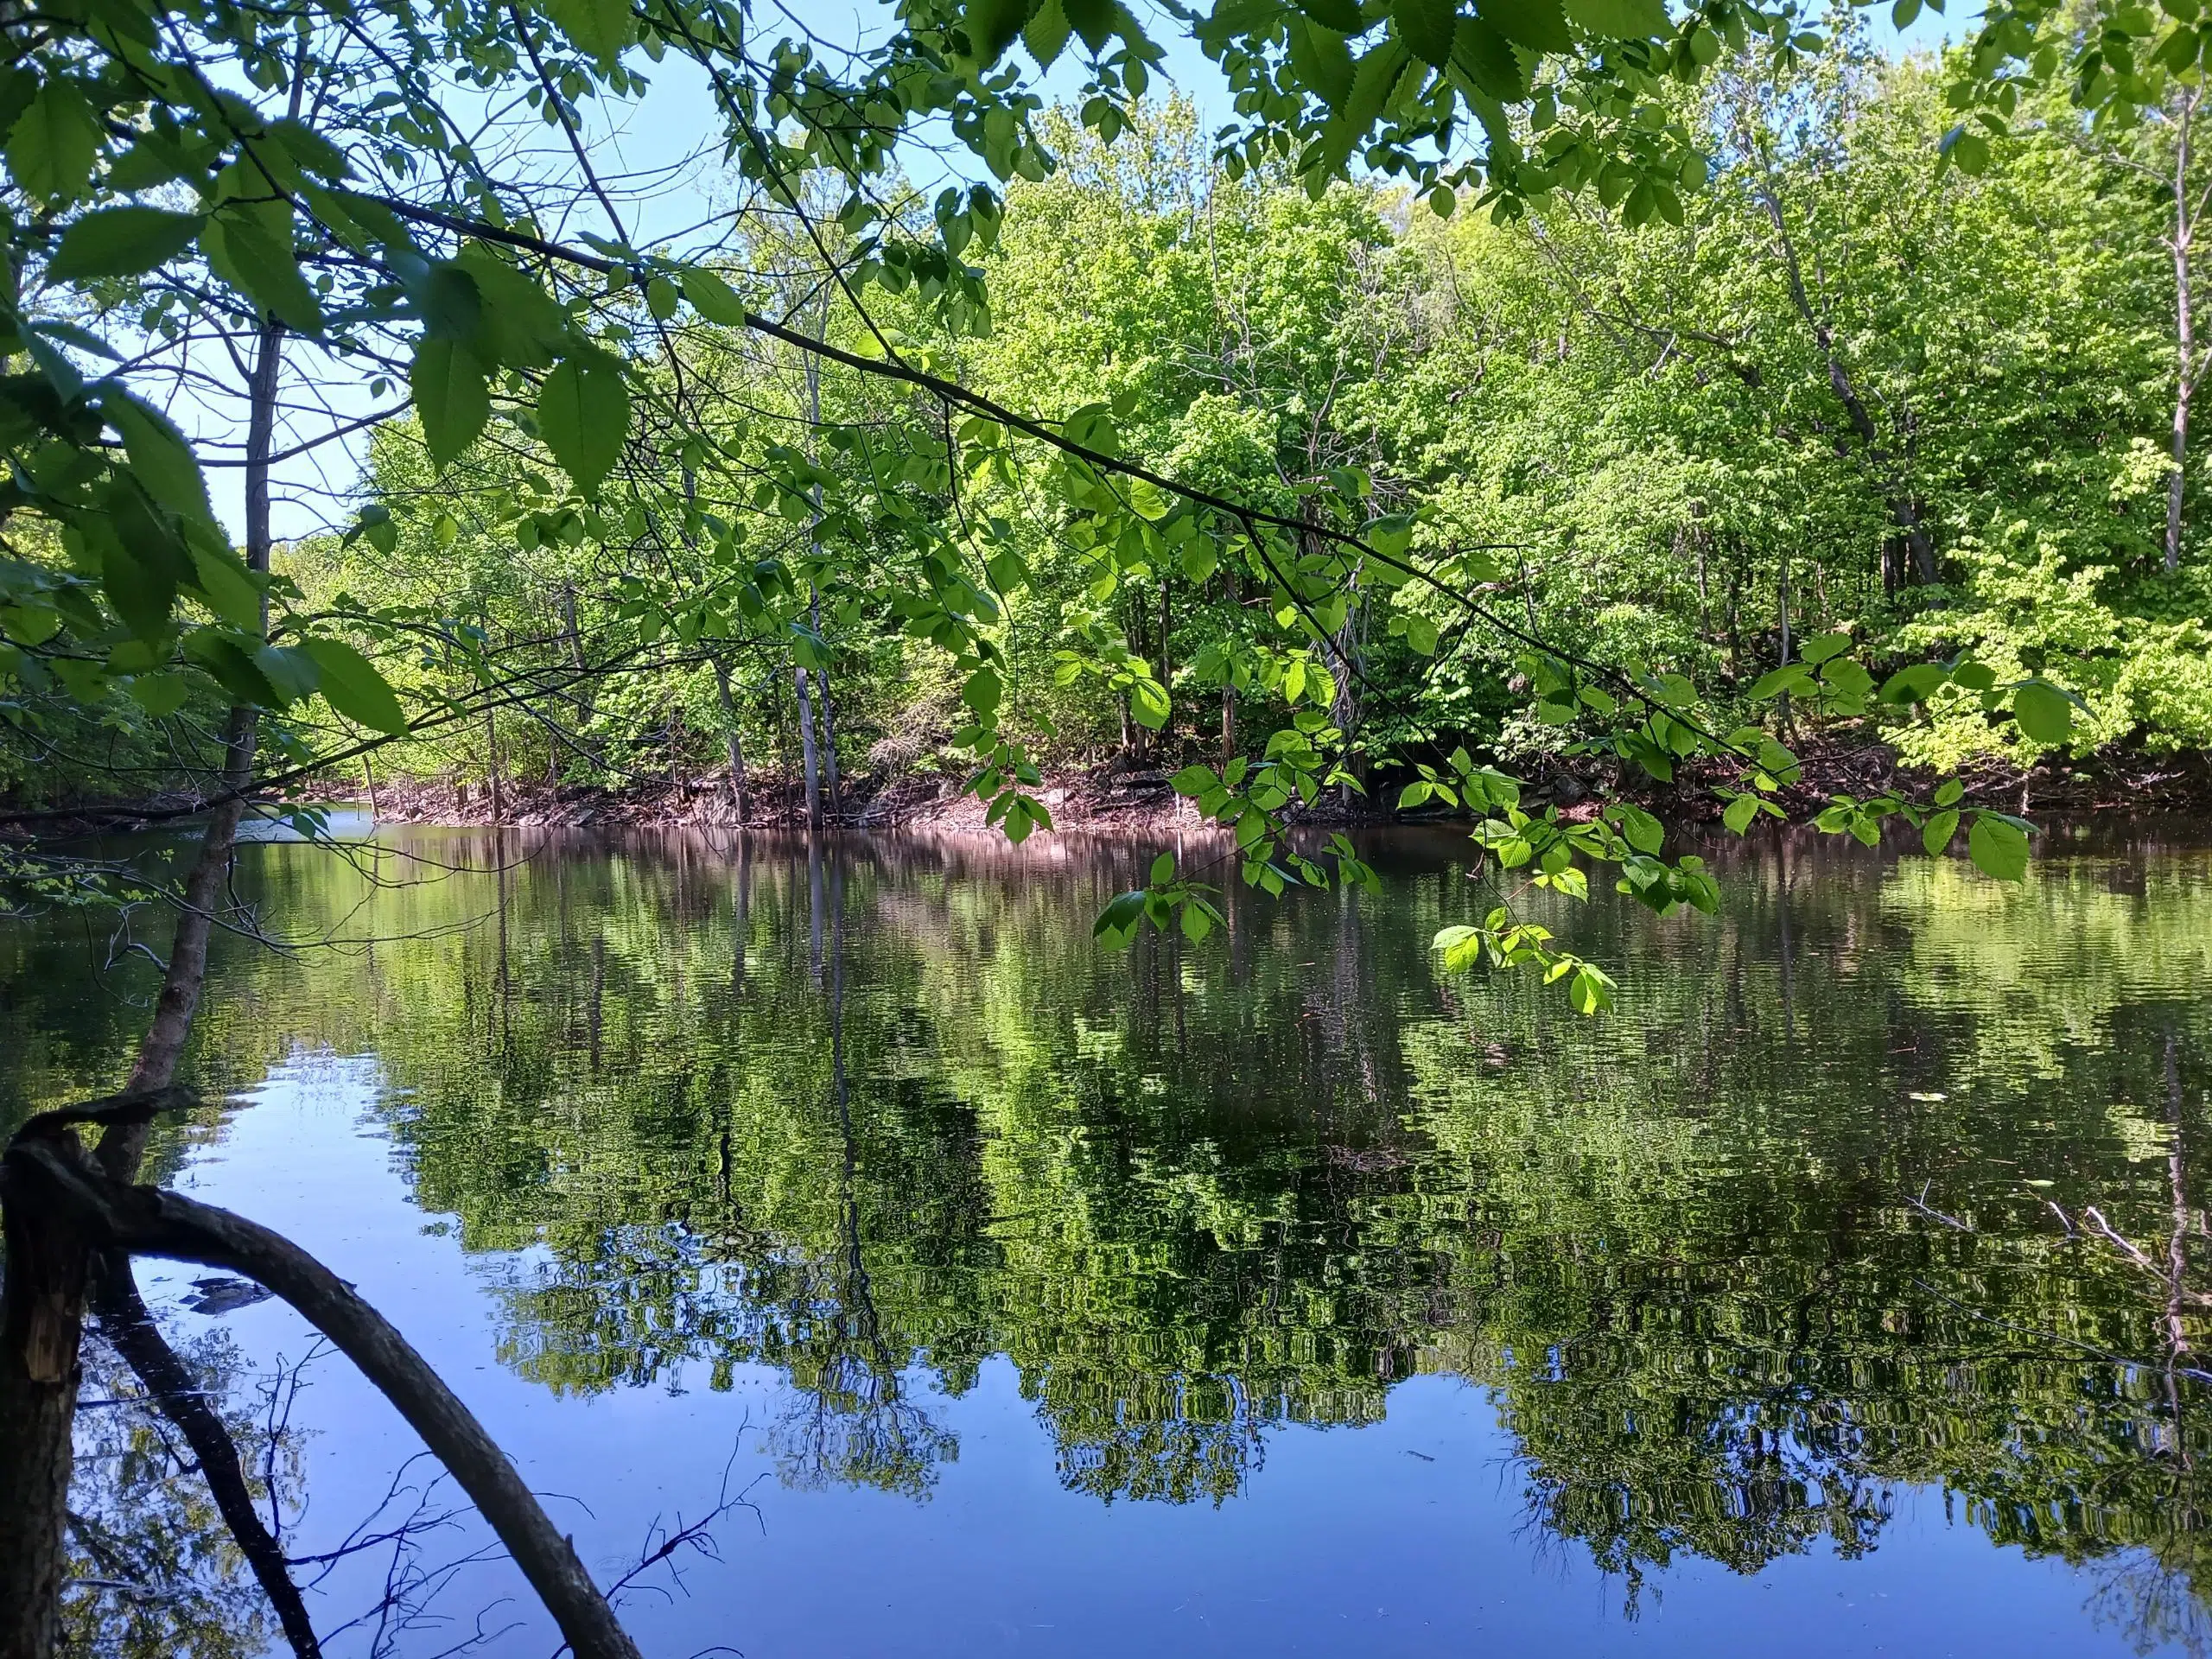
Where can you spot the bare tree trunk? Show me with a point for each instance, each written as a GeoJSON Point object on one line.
{"type": "Point", "coordinates": [2186, 366]}
{"type": "Point", "coordinates": [733, 748]}
{"type": "Point", "coordinates": [42, 1316]}
{"type": "Point", "coordinates": [179, 998]}
{"type": "Point", "coordinates": [829, 711]}
{"type": "Point", "coordinates": [809, 757]}
{"type": "Point", "coordinates": [1904, 511]}
{"type": "Point", "coordinates": [1228, 724]}
{"type": "Point", "coordinates": [1343, 707]}
{"type": "Point", "coordinates": [146, 1221]}
{"type": "Point", "coordinates": [491, 768]}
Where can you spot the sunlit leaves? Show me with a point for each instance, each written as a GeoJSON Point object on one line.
{"type": "Point", "coordinates": [350, 683]}
{"type": "Point", "coordinates": [159, 455]}
{"type": "Point", "coordinates": [453, 397]}
{"type": "Point", "coordinates": [121, 242]}
{"type": "Point", "coordinates": [2045, 714]}
{"type": "Point", "coordinates": [1999, 846]}
{"type": "Point", "coordinates": [599, 28]}
{"type": "Point", "coordinates": [51, 146]}
{"type": "Point", "coordinates": [583, 415]}
{"type": "Point", "coordinates": [1624, 20]}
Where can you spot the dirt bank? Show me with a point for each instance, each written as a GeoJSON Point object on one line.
{"type": "Point", "coordinates": [1118, 797]}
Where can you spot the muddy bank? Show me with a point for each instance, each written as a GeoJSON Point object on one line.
{"type": "Point", "coordinates": [1120, 798]}
{"type": "Point", "coordinates": [1108, 799]}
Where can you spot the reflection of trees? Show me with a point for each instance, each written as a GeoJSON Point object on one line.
{"type": "Point", "coordinates": [155, 1573]}
{"type": "Point", "coordinates": [1736, 1265]}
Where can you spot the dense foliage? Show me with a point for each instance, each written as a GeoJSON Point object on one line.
{"type": "Point", "coordinates": [1147, 437]}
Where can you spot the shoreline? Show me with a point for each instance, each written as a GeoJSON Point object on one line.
{"type": "Point", "coordinates": [1121, 797]}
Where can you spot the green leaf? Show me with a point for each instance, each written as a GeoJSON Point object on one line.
{"type": "Point", "coordinates": [1373, 82]}
{"type": "Point", "coordinates": [1821, 646]}
{"type": "Point", "coordinates": [121, 242]}
{"type": "Point", "coordinates": [583, 413]}
{"type": "Point", "coordinates": [711, 297]}
{"type": "Point", "coordinates": [294, 673]}
{"type": "Point", "coordinates": [142, 563]}
{"type": "Point", "coordinates": [352, 685]}
{"type": "Point", "coordinates": [1622, 20]}
{"type": "Point", "coordinates": [1739, 812]}
{"type": "Point", "coordinates": [1916, 683]}
{"type": "Point", "coordinates": [1119, 919]}
{"type": "Point", "coordinates": [252, 250]}
{"type": "Point", "coordinates": [1645, 833]}
{"type": "Point", "coordinates": [159, 694]}
{"type": "Point", "coordinates": [517, 325]}
{"type": "Point", "coordinates": [227, 585]}
{"type": "Point", "coordinates": [1193, 780]}
{"type": "Point", "coordinates": [1589, 991]}
{"type": "Point", "coordinates": [1462, 947]}
{"type": "Point", "coordinates": [51, 147]}
{"type": "Point", "coordinates": [2044, 713]}
{"type": "Point", "coordinates": [1487, 57]}
{"type": "Point", "coordinates": [159, 455]}
{"type": "Point", "coordinates": [1342, 16]}
{"type": "Point", "coordinates": [1045, 34]}
{"type": "Point", "coordinates": [1163, 869]}
{"type": "Point", "coordinates": [1999, 848]}
{"type": "Point", "coordinates": [993, 26]}
{"type": "Point", "coordinates": [1540, 25]}
{"type": "Point", "coordinates": [600, 27]}
{"type": "Point", "coordinates": [451, 396]}
{"type": "Point", "coordinates": [1428, 26]}
{"type": "Point", "coordinates": [983, 691]}
{"type": "Point", "coordinates": [1322, 58]}
{"type": "Point", "coordinates": [1095, 19]}
{"type": "Point", "coordinates": [1951, 792]}
{"type": "Point", "coordinates": [1935, 835]}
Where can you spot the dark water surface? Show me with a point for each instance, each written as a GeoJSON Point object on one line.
{"type": "Point", "coordinates": [1845, 1293]}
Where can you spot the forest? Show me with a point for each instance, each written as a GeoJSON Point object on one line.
{"type": "Point", "coordinates": [1582, 421]}
{"type": "Point", "coordinates": [1839, 390]}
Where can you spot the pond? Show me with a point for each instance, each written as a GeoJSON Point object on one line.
{"type": "Point", "coordinates": [1844, 1291]}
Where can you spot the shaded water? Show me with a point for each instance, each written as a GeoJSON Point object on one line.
{"type": "Point", "coordinates": [1843, 1290]}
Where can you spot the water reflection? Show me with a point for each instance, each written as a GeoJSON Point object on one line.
{"type": "Point", "coordinates": [1888, 1178]}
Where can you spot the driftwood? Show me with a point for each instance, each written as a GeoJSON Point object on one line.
{"type": "Point", "coordinates": [66, 1211]}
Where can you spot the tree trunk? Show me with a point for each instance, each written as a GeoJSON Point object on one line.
{"type": "Point", "coordinates": [2185, 365]}
{"type": "Point", "coordinates": [829, 711]}
{"type": "Point", "coordinates": [1904, 511]}
{"type": "Point", "coordinates": [42, 1313]}
{"type": "Point", "coordinates": [808, 756]}
{"type": "Point", "coordinates": [43, 1304]}
{"type": "Point", "coordinates": [733, 749]}
{"type": "Point", "coordinates": [146, 1221]}
{"type": "Point", "coordinates": [491, 768]}
{"type": "Point", "coordinates": [1228, 724]}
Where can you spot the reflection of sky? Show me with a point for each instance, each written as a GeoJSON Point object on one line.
{"type": "Point", "coordinates": [1407, 1536]}
{"type": "Point", "coordinates": [660, 156]}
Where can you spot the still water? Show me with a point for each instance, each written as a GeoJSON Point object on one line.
{"type": "Point", "coordinates": [1845, 1291]}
